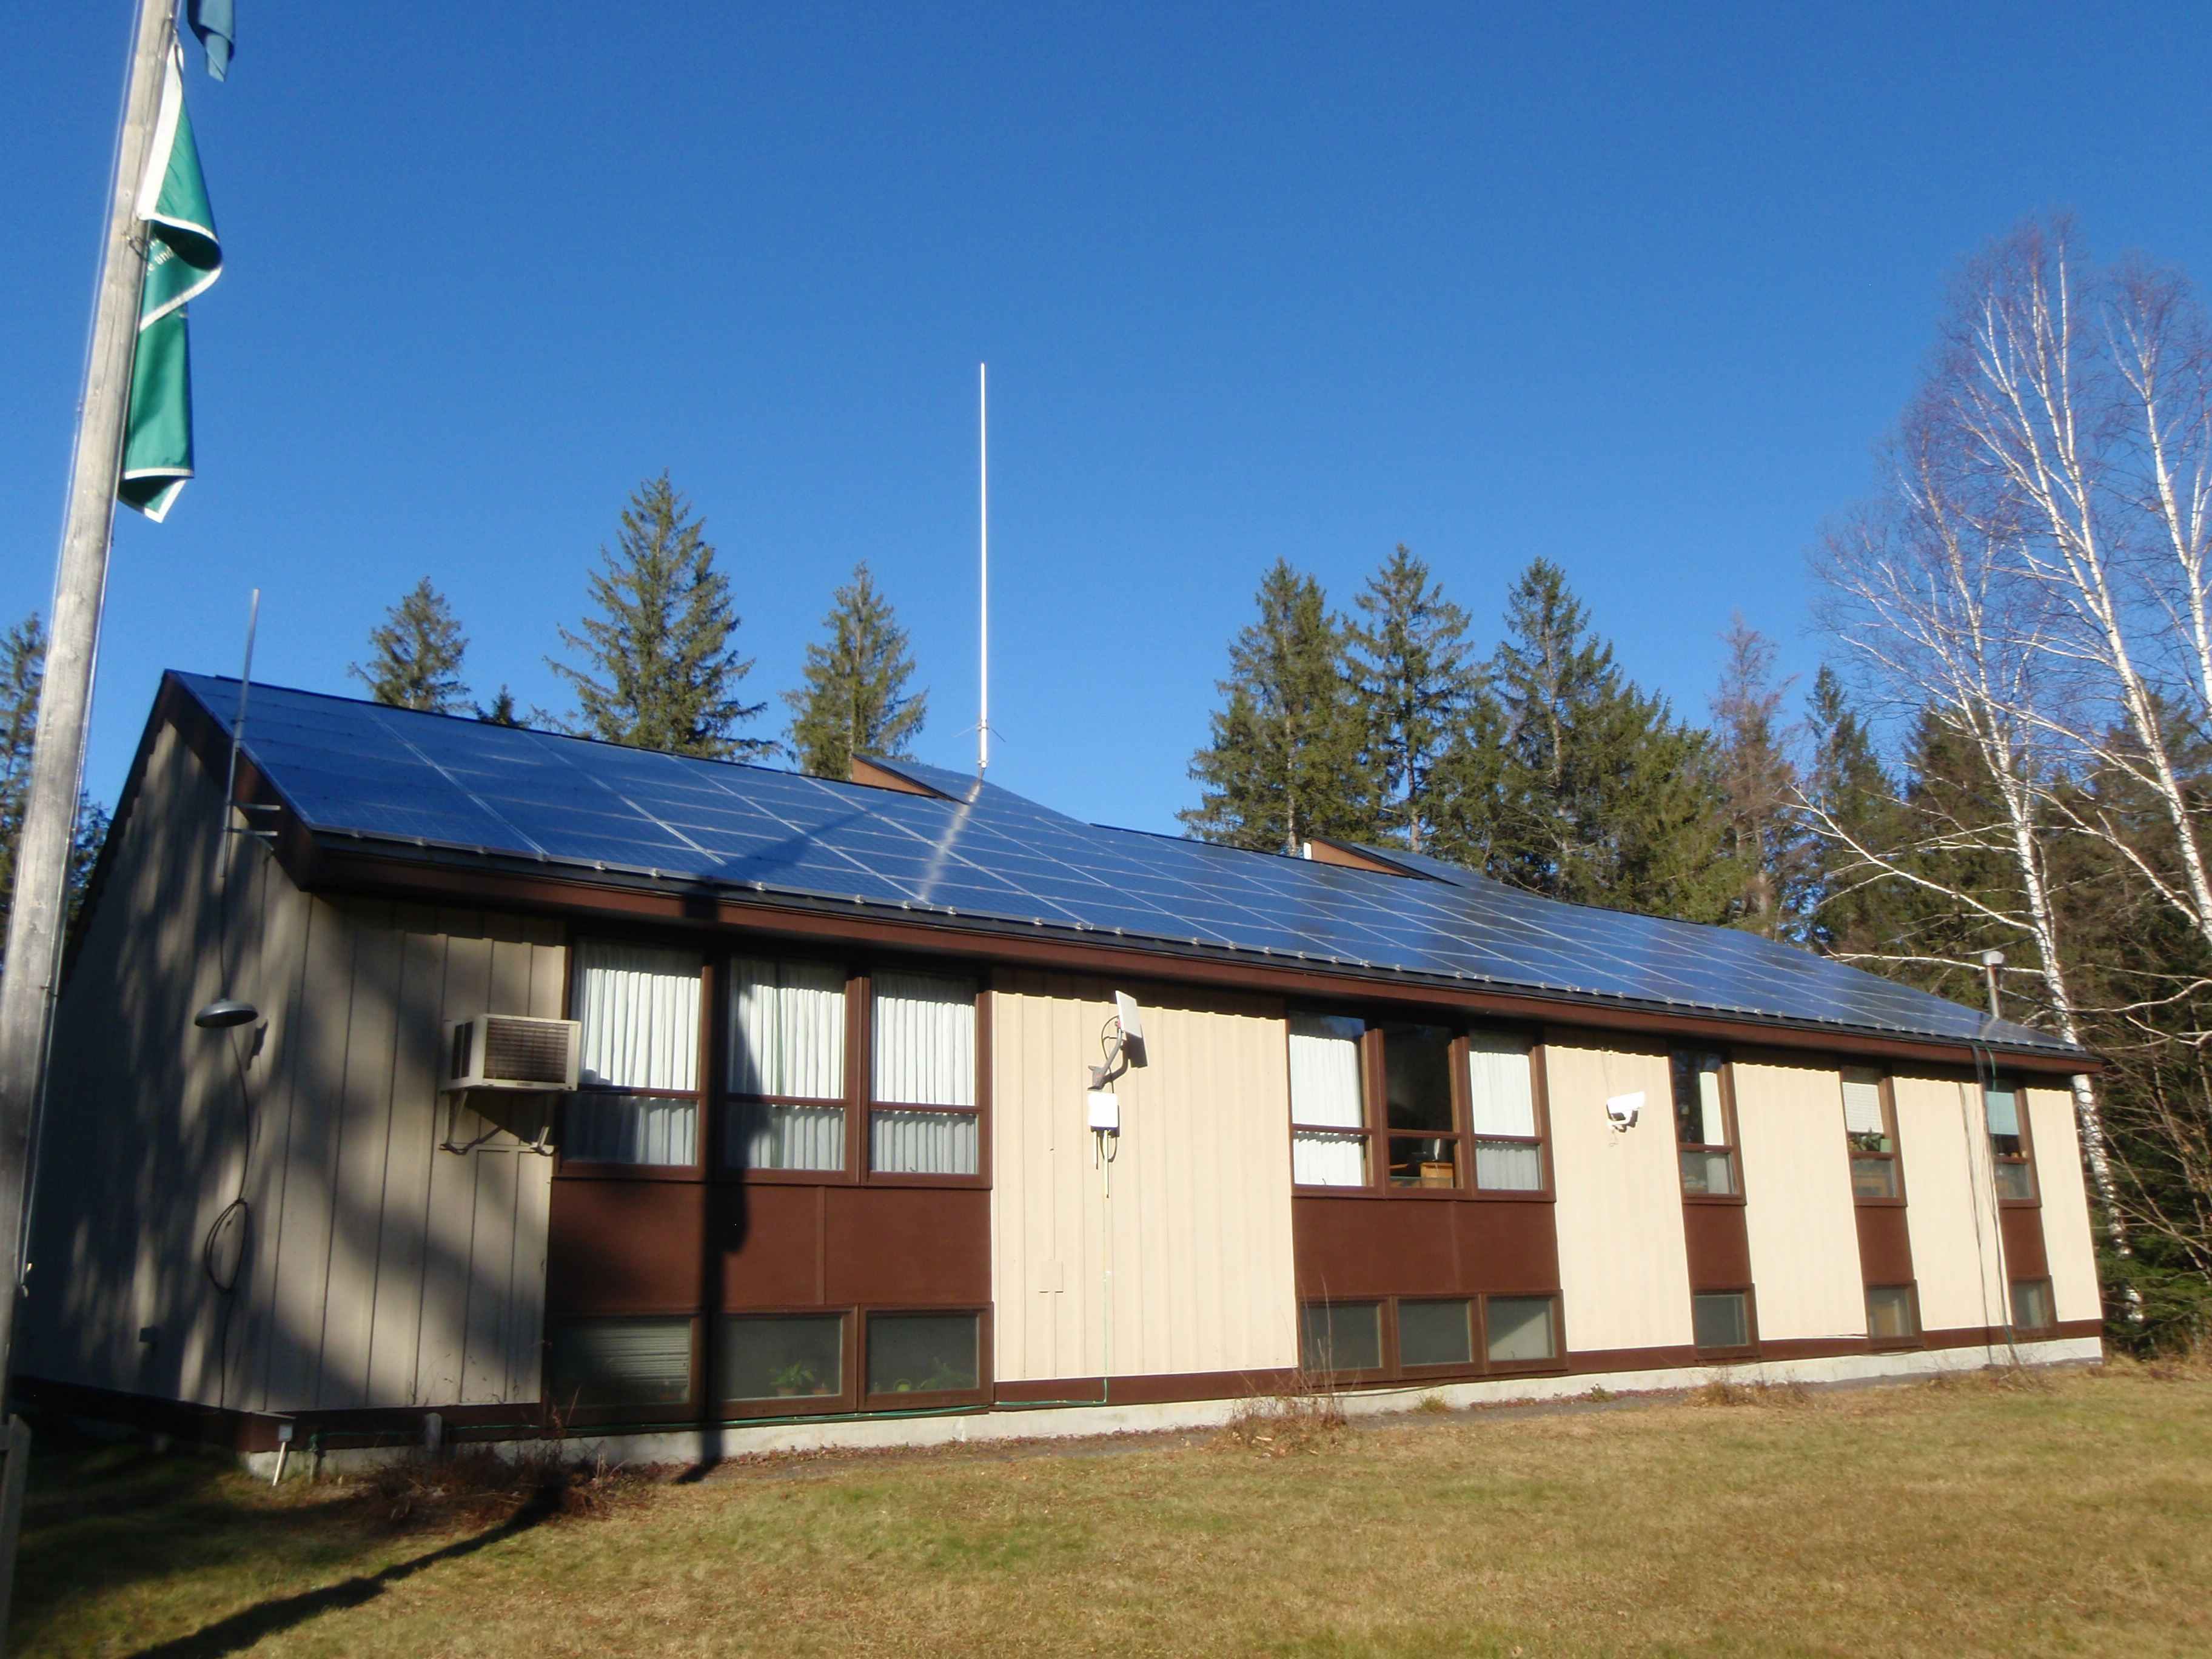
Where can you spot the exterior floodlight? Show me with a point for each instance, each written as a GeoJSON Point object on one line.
{"type": "Point", "coordinates": [224, 1013]}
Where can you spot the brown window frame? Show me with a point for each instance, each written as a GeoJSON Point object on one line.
{"type": "Point", "coordinates": [1918, 1338]}
{"type": "Point", "coordinates": [1389, 1348]}
{"type": "Point", "coordinates": [1886, 1090]}
{"type": "Point", "coordinates": [858, 1102]}
{"type": "Point", "coordinates": [933, 1399]}
{"type": "Point", "coordinates": [1374, 1131]}
{"type": "Point", "coordinates": [2023, 1159]}
{"type": "Point", "coordinates": [685, 1412]}
{"type": "Point", "coordinates": [701, 1094]}
{"type": "Point", "coordinates": [1733, 1145]}
{"type": "Point", "coordinates": [2050, 1300]}
{"type": "Point", "coordinates": [843, 1402]}
{"type": "Point", "coordinates": [1748, 1349]}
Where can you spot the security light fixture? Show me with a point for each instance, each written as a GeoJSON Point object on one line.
{"type": "Point", "coordinates": [224, 1012]}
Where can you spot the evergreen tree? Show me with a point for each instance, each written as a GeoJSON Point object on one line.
{"type": "Point", "coordinates": [1287, 760]}
{"type": "Point", "coordinates": [414, 655]}
{"type": "Point", "coordinates": [23, 671]}
{"type": "Point", "coordinates": [854, 700]}
{"type": "Point", "coordinates": [1845, 907]}
{"type": "Point", "coordinates": [658, 671]}
{"type": "Point", "coordinates": [1409, 660]}
{"type": "Point", "coordinates": [1602, 796]}
{"type": "Point", "coordinates": [501, 711]}
{"type": "Point", "coordinates": [1763, 839]}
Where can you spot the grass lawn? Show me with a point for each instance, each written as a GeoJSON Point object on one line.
{"type": "Point", "coordinates": [2071, 1514]}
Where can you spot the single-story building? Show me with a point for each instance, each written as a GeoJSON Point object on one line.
{"type": "Point", "coordinates": [704, 1107]}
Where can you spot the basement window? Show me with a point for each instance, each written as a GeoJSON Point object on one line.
{"type": "Point", "coordinates": [1721, 1319]}
{"type": "Point", "coordinates": [1436, 1332]}
{"type": "Point", "coordinates": [1339, 1337]}
{"type": "Point", "coordinates": [1521, 1330]}
{"type": "Point", "coordinates": [798, 1356]}
{"type": "Point", "coordinates": [593, 1364]}
{"type": "Point", "coordinates": [1892, 1315]}
{"type": "Point", "coordinates": [923, 1354]}
{"type": "Point", "coordinates": [2031, 1305]}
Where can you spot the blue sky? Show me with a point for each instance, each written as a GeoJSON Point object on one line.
{"type": "Point", "coordinates": [1635, 292]}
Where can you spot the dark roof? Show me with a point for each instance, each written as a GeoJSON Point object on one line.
{"type": "Point", "coordinates": [981, 855]}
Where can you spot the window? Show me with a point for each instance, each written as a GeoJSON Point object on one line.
{"type": "Point", "coordinates": [1328, 1118]}
{"type": "Point", "coordinates": [2015, 1171]}
{"type": "Point", "coordinates": [1435, 1334]}
{"type": "Point", "coordinates": [781, 1357]}
{"type": "Point", "coordinates": [639, 1103]}
{"type": "Point", "coordinates": [925, 1121]}
{"type": "Point", "coordinates": [597, 1363]}
{"type": "Point", "coordinates": [1890, 1316]}
{"type": "Point", "coordinates": [1521, 1330]}
{"type": "Point", "coordinates": [787, 1075]}
{"type": "Point", "coordinates": [1416, 1087]}
{"type": "Point", "coordinates": [1341, 1336]}
{"type": "Point", "coordinates": [1870, 1132]}
{"type": "Point", "coordinates": [1701, 1125]}
{"type": "Point", "coordinates": [1721, 1319]}
{"type": "Point", "coordinates": [923, 1353]}
{"type": "Point", "coordinates": [2031, 1305]}
{"type": "Point", "coordinates": [1501, 1114]}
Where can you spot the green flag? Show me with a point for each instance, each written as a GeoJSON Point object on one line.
{"type": "Point", "coordinates": [182, 257]}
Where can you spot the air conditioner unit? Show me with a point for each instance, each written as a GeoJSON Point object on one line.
{"type": "Point", "coordinates": [507, 1051]}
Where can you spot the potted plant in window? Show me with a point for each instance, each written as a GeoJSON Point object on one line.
{"type": "Point", "coordinates": [797, 1378]}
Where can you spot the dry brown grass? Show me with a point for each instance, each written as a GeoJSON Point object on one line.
{"type": "Point", "coordinates": [1720, 1391]}
{"type": "Point", "coordinates": [1302, 1422]}
{"type": "Point", "coordinates": [1984, 1517]}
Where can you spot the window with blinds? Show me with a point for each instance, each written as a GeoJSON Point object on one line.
{"type": "Point", "coordinates": [923, 1119]}
{"type": "Point", "coordinates": [1501, 1109]}
{"type": "Point", "coordinates": [1328, 1116]}
{"type": "Point", "coordinates": [2015, 1169]}
{"type": "Point", "coordinates": [639, 1008]}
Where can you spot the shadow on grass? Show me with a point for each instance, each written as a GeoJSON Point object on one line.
{"type": "Point", "coordinates": [249, 1626]}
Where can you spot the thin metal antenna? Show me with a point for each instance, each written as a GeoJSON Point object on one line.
{"type": "Point", "coordinates": [237, 732]}
{"type": "Point", "coordinates": [983, 515]}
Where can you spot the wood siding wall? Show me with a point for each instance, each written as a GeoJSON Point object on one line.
{"type": "Point", "coordinates": [377, 1271]}
{"type": "Point", "coordinates": [1624, 1266]}
{"type": "Point", "coordinates": [1801, 1219]}
{"type": "Point", "coordinates": [1943, 1138]}
{"type": "Point", "coordinates": [1200, 1242]}
{"type": "Point", "coordinates": [2068, 1243]}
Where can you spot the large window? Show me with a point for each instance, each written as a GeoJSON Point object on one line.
{"type": "Point", "coordinates": [2010, 1150]}
{"type": "Point", "coordinates": [794, 1356]}
{"type": "Point", "coordinates": [923, 1353]}
{"type": "Point", "coordinates": [794, 1085]}
{"type": "Point", "coordinates": [1418, 1098]}
{"type": "Point", "coordinates": [1703, 1130]}
{"type": "Point", "coordinates": [786, 1078]}
{"type": "Point", "coordinates": [924, 1121]}
{"type": "Point", "coordinates": [1329, 1117]}
{"type": "Point", "coordinates": [1501, 1114]}
{"type": "Point", "coordinates": [1870, 1131]}
{"type": "Point", "coordinates": [639, 1103]}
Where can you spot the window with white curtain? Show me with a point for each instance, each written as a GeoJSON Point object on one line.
{"type": "Point", "coordinates": [639, 1008]}
{"type": "Point", "coordinates": [1501, 1098]}
{"type": "Point", "coordinates": [1328, 1118]}
{"type": "Point", "coordinates": [924, 1121]}
{"type": "Point", "coordinates": [787, 1072]}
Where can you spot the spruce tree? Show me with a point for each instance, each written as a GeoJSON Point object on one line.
{"type": "Point", "coordinates": [500, 710]}
{"type": "Point", "coordinates": [1409, 662]}
{"type": "Point", "coordinates": [1763, 839]}
{"type": "Point", "coordinates": [414, 655]}
{"type": "Point", "coordinates": [23, 671]}
{"type": "Point", "coordinates": [1288, 757]}
{"type": "Point", "coordinates": [856, 700]}
{"type": "Point", "coordinates": [658, 671]}
{"type": "Point", "coordinates": [1603, 796]}
{"type": "Point", "coordinates": [1846, 906]}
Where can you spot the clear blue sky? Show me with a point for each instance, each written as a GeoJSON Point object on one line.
{"type": "Point", "coordinates": [1636, 295]}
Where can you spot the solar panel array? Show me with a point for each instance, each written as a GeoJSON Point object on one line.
{"type": "Point", "coordinates": [358, 769]}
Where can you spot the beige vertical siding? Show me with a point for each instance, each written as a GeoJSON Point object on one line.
{"type": "Point", "coordinates": [1200, 1248]}
{"type": "Point", "coordinates": [1943, 1141]}
{"type": "Point", "coordinates": [2067, 1240]}
{"type": "Point", "coordinates": [1799, 1215]}
{"type": "Point", "coordinates": [1624, 1270]}
{"type": "Point", "coordinates": [379, 1271]}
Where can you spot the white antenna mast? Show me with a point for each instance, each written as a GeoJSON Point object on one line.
{"type": "Point", "coordinates": [983, 514]}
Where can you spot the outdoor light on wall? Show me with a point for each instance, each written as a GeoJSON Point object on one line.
{"type": "Point", "coordinates": [224, 1012]}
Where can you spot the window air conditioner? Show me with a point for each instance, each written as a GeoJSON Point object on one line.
{"type": "Point", "coordinates": [507, 1051]}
